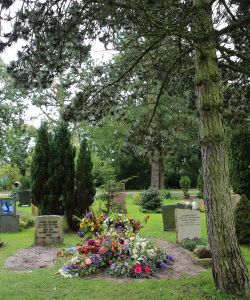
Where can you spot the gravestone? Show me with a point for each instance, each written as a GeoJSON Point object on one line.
{"type": "Point", "coordinates": [120, 199]}
{"type": "Point", "coordinates": [24, 198]}
{"type": "Point", "coordinates": [9, 221]}
{"type": "Point", "coordinates": [188, 224]}
{"type": "Point", "coordinates": [48, 230]}
{"type": "Point", "coordinates": [168, 215]}
{"type": "Point", "coordinates": [235, 200]}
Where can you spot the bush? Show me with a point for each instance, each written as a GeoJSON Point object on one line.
{"type": "Point", "coordinates": [242, 220]}
{"type": "Point", "coordinates": [202, 251]}
{"type": "Point", "coordinates": [137, 199]}
{"type": "Point", "coordinates": [185, 184]}
{"type": "Point", "coordinates": [240, 160]}
{"type": "Point", "coordinates": [190, 244]}
{"type": "Point", "coordinates": [26, 222]}
{"type": "Point", "coordinates": [166, 194]}
{"type": "Point", "coordinates": [151, 199]}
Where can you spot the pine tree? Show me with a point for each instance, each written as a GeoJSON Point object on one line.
{"type": "Point", "coordinates": [39, 169]}
{"type": "Point", "coordinates": [85, 189]}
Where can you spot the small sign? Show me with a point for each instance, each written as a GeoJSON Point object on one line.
{"type": "Point", "coordinates": [48, 230]}
{"type": "Point", "coordinates": [188, 224]}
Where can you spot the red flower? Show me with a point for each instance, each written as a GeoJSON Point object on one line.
{"type": "Point", "coordinates": [137, 269]}
{"type": "Point", "coordinates": [110, 262]}
{"type": "Point", "coordinates": [147, 269]}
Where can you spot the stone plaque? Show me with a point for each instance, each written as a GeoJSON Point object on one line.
{"type": "Point", "coordinates": [120, 199]}
{"type": "Point", "coordinates": [235, 200]}
{"type": "Point", "coordinates": [48, 230]}
{"type": "Point", "coordinates": [188, 224]}
{"type": "Point", "coordinates": [168, 215]}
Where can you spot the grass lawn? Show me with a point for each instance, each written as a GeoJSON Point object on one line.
{"type": "Point", "coordinates": [46, 284]}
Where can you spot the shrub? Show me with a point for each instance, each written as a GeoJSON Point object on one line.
{"type": "Point", "coordinates": [137, 199]}
{"type": "Point", "coordinates": [202, 251]}
{"type": "Point", "coordinates": [166, 194]}
{"type": "Point", "coordinates": [151, 199]}
{"type": "Point", "coordinates": [242, 220]}
{"type": "Point", "coordinates": [240, 160]}
{"type": "Point", "coordinates": [190, 244]}
{"type": "Point", "coordinates": [185, 184]}
{"type": "Point", "coordinates": [26, 222]}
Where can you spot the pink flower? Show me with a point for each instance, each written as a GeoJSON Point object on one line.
{"type": "Point", "coordinates": [88, 261]}
{"type": "Point", "coordinates": [137, 269]}
{"type": "Point", "coordinates": [147, 269]}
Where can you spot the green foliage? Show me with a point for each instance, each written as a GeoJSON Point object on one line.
{"type": "Point", "coordinates": [137, 199]}
{"type": "Point", "coordinates": [9, 174]}
{"type": "Point", "coordinates": [200, 184]}
{"type": "Point", "coordinates": [62, 173]}
{"type": "Point", "coordinates": [103, 171]}
{"type": "Point", "coordinates": [202, 251]}
{"type": "Point", "coordinates": [185, 184]}
{"type": "Point", "coordinates": [165, 194]}
{"type": "Point", "coordinates": [240, 160]}
{"type": "Point", "coordinates": [26, 222]}
{"type": "Point", "coordinates": [242, 220]}
{"type": "Point", "coordinates": [85, 188]}
{"type": "Point", "coordinates": [151, 199]}
{"type": "Point", "coordinates": [190, 244]}
{"type": "Point", "coordinates": [39, 169]}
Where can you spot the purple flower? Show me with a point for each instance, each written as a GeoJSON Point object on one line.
{"type": "Point", "coordinates": [169, 258]}
{"type": "Point", "coordinates": [162, 265]}
{"type": "Point", "coordinates": [89, 215]}
{"type": "Point", "coordinates": [91, 242]}
{"type": "Point", "coordinates": [81, 234]}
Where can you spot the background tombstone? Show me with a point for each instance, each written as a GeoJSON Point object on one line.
{"type": "Point", "coordinates": [9, 221]}
{"type": "Point", "coordinates": [188, 224]}
{"type": "Point", "coordinates": [48, 230]}
{"type": "Point", "coordinates": [235, 199]}
{"type": "Point", "coordinates": [24, 198]}
{"type": "Point", "coordinates": [120, 199]}
{"type": "Point", "coordinates": [168, 215]}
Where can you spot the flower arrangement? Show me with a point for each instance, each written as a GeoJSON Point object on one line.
{"type": "Point", "coordinates": [92, 225]}
{"type": "Point", "coordinates": [121, 257]}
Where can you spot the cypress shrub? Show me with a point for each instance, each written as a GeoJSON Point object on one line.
{"type": "Point", "coordinates": [240, 160]}
{"type": "Point", "coordinates": [39, 169]}
{"type": "Point", "coordinates": [85, 188]}
{"type": "Point", "coordinates": [242, 220]}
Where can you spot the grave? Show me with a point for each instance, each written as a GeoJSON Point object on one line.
{"type": "Point", "coordinates": [188, 224]}
{"type": "Point", "coordinates": [9, 221]}
{"type": "Point", "coordinates": [120, 199]}
{"type": "Point", "coordinates": [168, 215]}
{"type": "Point", "coordinates": [235, 200]}
{"type": "Point", "coordinates": [48, 230]}
{"type": "Point", "coordinates": [24, 198]}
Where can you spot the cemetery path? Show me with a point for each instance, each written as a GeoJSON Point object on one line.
{"type": "Point", "coordinates": [32, 258]}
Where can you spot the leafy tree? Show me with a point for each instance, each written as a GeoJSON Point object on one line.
{"type": "Point", "coordinates": [240, 160]}
{"type": "Point", "coordinates": [197, 34]}
{"type": "Point", "coordinates": [85, 188]}
{"type": "Point", "coordinates": [9, 173]}
{"type": "Point", "coordinates": [39, 169]}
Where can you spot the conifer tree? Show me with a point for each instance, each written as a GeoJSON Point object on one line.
{"type": "Point", "coordinates": [62, 174]}
{"type": "Point", "coordinates": [85, 189]}
{"type": "Point", "coordinates": [39, 169]}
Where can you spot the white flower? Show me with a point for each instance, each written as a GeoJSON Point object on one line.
{"type": "Point", "coordinates": [134, 251]}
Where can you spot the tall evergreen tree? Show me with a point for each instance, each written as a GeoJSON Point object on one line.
{"type": "Point", "coordinates": [61, 173]}
{"type": "Point", "coordinates": [39, 169]}
{"type": "Point", "coordinates": [85, 189]}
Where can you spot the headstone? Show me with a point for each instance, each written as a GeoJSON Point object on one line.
{"type": "Point", "coordinates": [48, 230]}
{"type": "Point", "coordinates": [168, 215]}
{"type": "Point", "coordinates": [9, 221]}
{"type": "Point", "coordinates": [24, 198]}
{"type": "Point", "coordinates": [120, 199]}
{"type": "Point", "coordinates": [235, 200]}
{"type": "Point", "coordinates": [188, 224]}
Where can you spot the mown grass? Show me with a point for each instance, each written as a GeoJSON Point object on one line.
{"type": "Point", "coordinates": [46, 284]}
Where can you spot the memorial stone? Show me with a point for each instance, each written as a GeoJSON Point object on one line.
{"type": "Point", "coordinates": [168, 215]}
{"type": "Point", "coordinates": [188, 224]}
{"type": "Point", "coordinates": [120, 199]}
{"type": "Point", "coordinates": [9, 221]}
{"type": "Point", "coordinates": [48, 230]}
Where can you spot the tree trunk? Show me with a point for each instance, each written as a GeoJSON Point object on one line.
{"type": "Point", "coordinates": [155, 170]}
{"type": "Point", "coordinates": [162, 176]}
{"type": "Point", "coordinates": [229, 271]}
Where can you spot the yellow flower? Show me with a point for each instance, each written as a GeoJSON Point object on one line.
{"type": "Point", "coordinates": [81, 225]}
